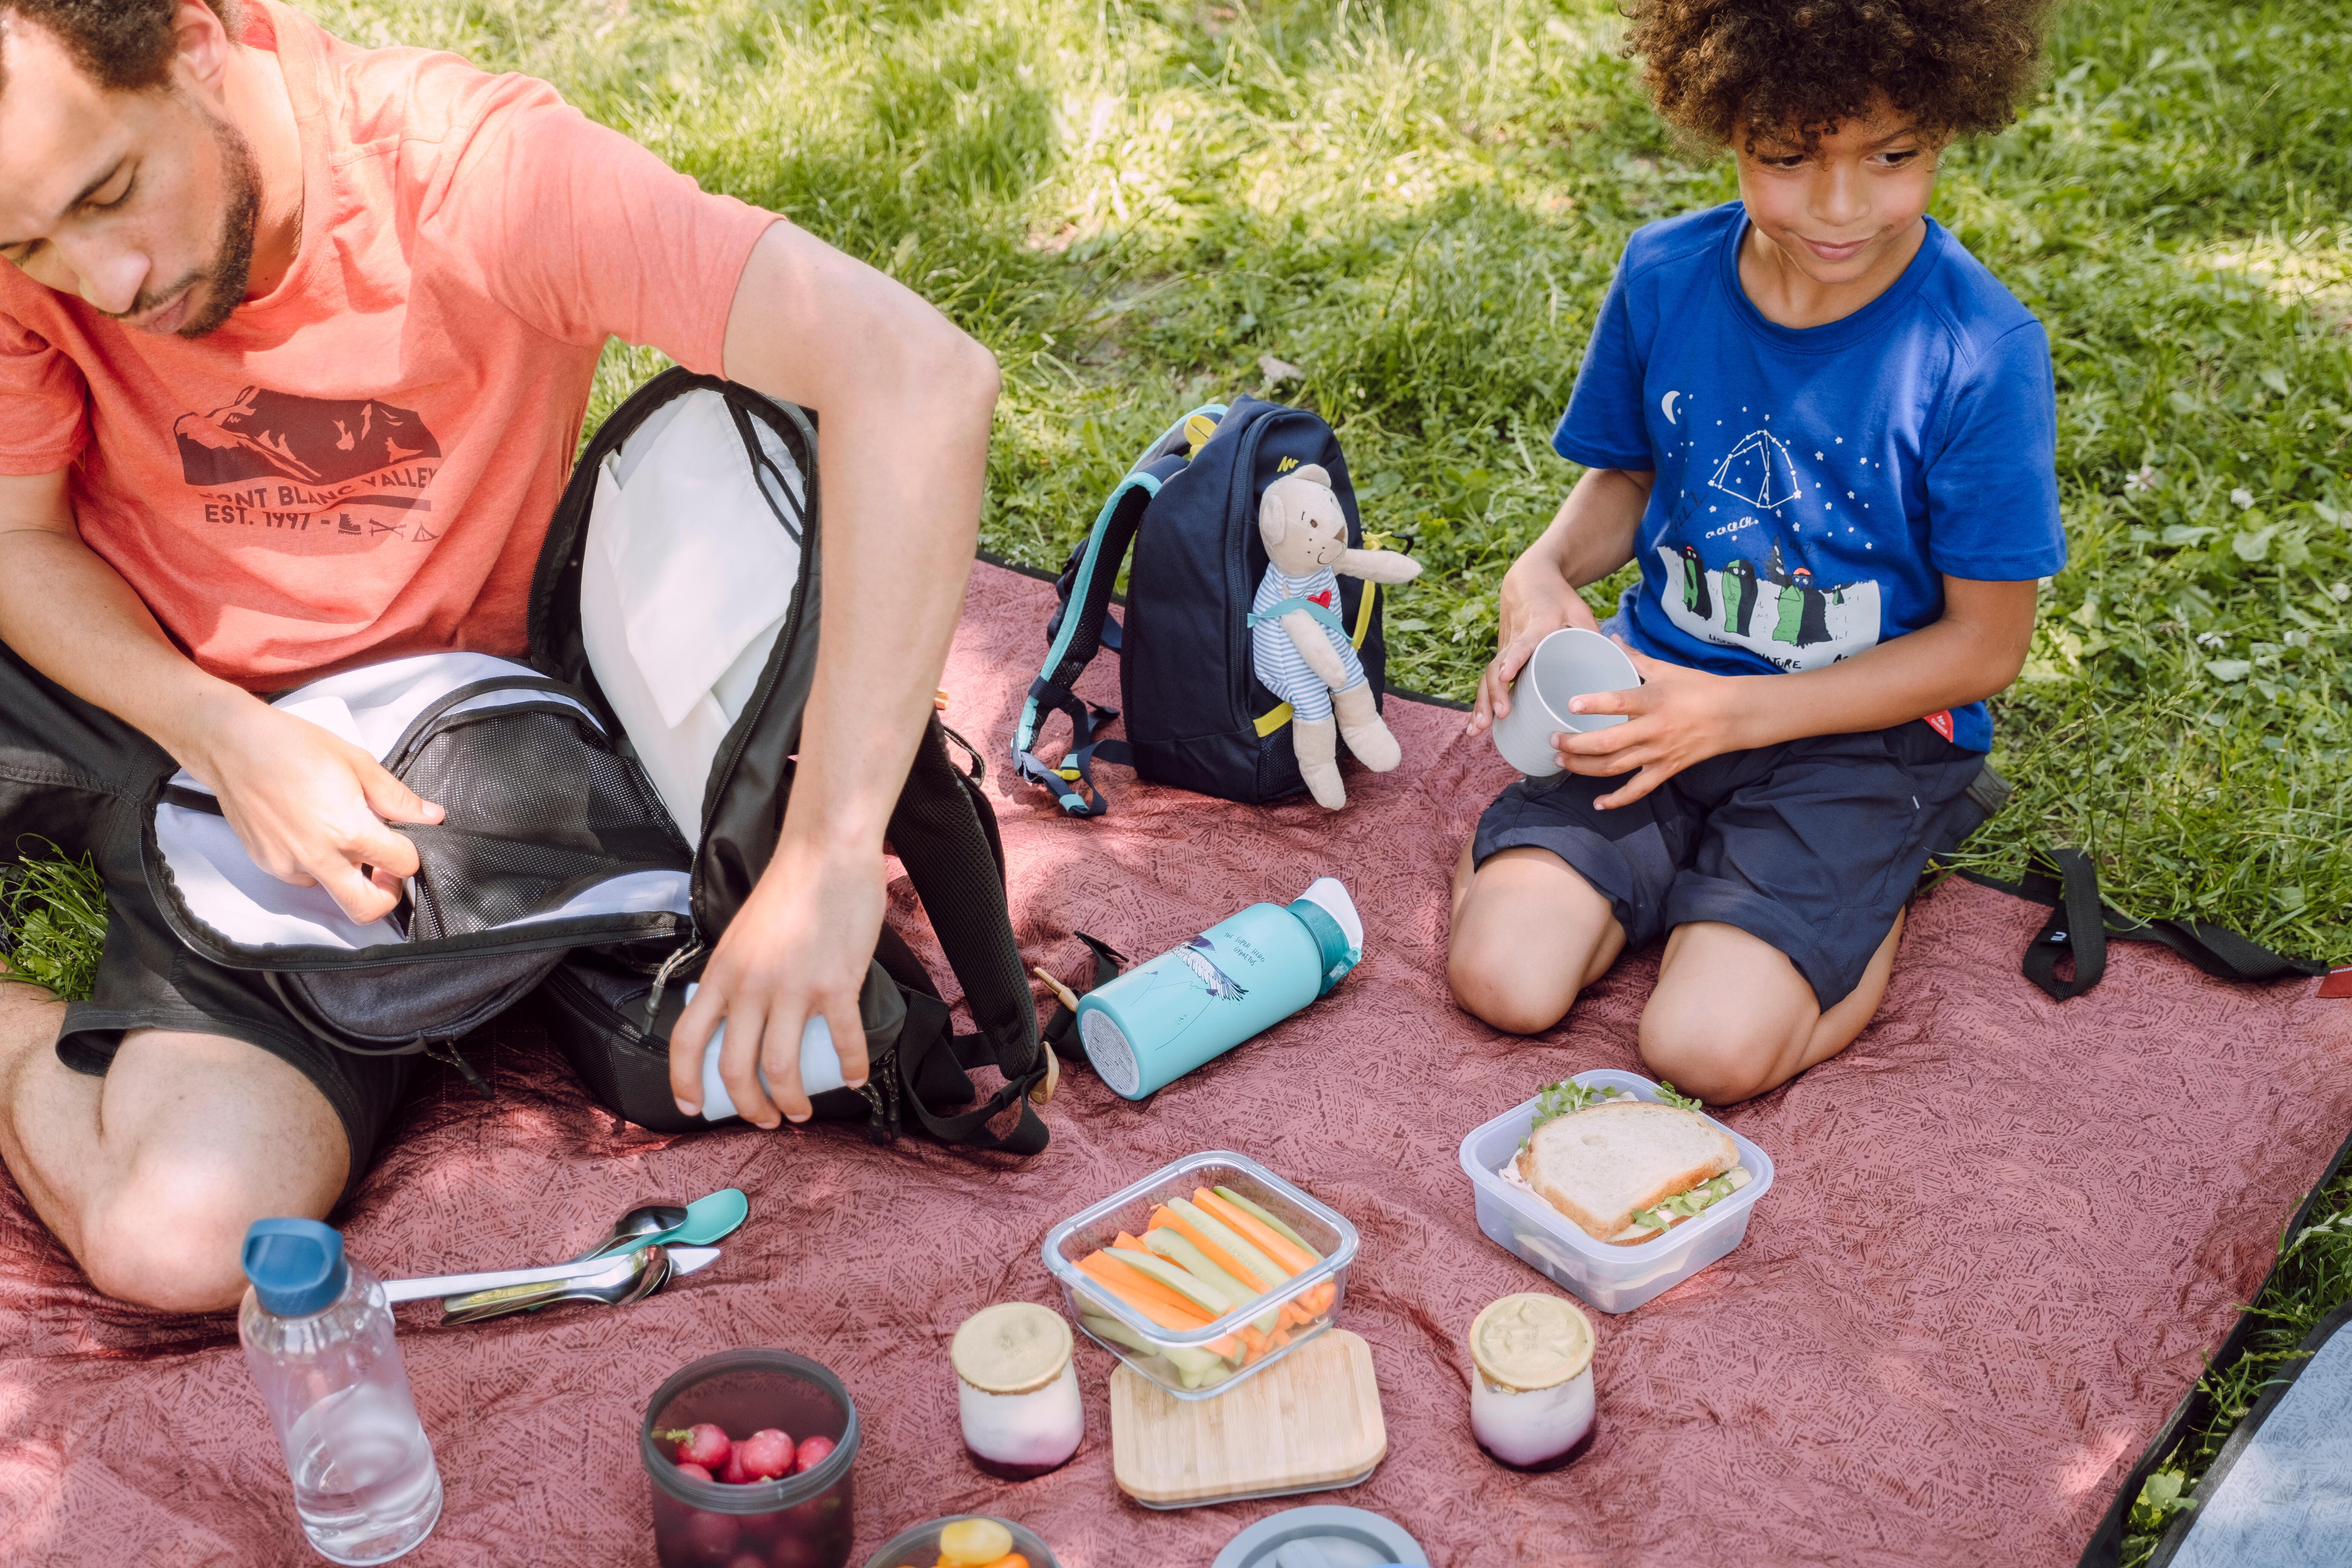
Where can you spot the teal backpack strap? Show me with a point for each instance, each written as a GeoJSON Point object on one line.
{"type": "Point", "coordinates": [1081, 627]}
{"type": "Point", "coordinates": [1281, 608]}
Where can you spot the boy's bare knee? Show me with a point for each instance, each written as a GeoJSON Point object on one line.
{"type": "Point", "coordinates": [1497, 991]}
{"type": "Point", "coordinates": [167, 1235]}
{"type": "Point", "coordinates": [1719, 1060]}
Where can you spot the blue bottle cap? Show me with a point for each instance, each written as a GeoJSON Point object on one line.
{"type": "Point", "coordinates": [296, 1265]}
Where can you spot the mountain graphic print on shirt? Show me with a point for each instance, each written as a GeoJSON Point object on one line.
{"type": "Point", "coordinates": [1811, 488]}
{"type": "Point", "coordinates": [345, 466]}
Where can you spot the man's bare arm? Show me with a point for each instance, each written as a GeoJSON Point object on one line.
{"type": "Point", "coordinates": [307, 806]}
{"type": "Point", "coordinates": [904, 401]}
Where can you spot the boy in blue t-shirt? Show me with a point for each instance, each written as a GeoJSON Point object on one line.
{"type": "Point", "coordinates": [1827, 434]}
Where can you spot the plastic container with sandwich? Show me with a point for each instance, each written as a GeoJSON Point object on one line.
{"type": "Point", "coordinates": [1613, 1279]}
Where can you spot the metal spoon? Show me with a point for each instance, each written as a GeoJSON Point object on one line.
{"type": "Point", "coordinates": [632, 1276]}
{"type": "Point", "coordinates": [640, 1225]}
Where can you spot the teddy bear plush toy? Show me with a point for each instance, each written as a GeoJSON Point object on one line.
{"type": "Point", "coordinates": [1297, 643]}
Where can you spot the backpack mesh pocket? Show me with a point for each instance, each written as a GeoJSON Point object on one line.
{"type": "Point", "coordinates": [538, 812]}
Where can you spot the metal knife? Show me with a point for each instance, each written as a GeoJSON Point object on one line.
{"type": "Point", "coordinates": [682, 1260]}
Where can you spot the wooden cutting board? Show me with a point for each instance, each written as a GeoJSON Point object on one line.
{"type": "Point", "coordinates": [1308, 1422]}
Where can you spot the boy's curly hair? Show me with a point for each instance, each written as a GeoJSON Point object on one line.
{"type": "Point", "coordinates": [125, 45]}
{"type": "Point", "coordinates": [1726, 70]}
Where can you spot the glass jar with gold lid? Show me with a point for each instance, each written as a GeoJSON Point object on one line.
{"type": "Point", "coordinates": [1017, 1390]}
{"type": "Point", "coordinates": [1531, 1401]}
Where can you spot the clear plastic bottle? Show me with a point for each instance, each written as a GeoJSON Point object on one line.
{"type": "Point", "coordinates": [318, 1334]}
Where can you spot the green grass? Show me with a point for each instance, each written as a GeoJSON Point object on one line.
{"type": "Point", "coordinates": [1419, 204]}
{"type": "Point", "coordinates": [52, 923]}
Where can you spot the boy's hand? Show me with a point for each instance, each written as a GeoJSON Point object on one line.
{"type": "Point", "coordinates": [1537, 601]}
{"type": "Point", "coordinates": [1676, 717]}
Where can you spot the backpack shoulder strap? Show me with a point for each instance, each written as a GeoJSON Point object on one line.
{"type": "Point", "coordinates": [1080, 628]}
{"type": "Point", "coordinates": [952, 856]}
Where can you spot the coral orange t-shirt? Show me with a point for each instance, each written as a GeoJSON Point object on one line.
{"type": "Point", "coordinates": [362, 464]}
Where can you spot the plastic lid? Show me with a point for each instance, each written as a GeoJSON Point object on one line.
{"type": "Point", "coordinates": [1014, 1347]}
{"type": "Point", "coordinates": [1528, 1342]}
{"type": "Point", "coordinates": [1328, 894]}
{"type": "Point", "coordinates": [296, 1265]}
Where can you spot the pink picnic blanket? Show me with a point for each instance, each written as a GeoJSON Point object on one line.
{"type": "Point", "coordinates": [2002, 1235]}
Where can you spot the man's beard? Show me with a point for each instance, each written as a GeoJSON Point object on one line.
{"type": "Point", "coordinates": [224, 278]}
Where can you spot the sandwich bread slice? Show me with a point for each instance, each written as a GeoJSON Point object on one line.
{"type": "Point", "coordinates": [1609, 1167]}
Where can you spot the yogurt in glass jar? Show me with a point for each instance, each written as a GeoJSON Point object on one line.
{"type": "Point", "coordinates": [1531, 1404]}
{"type": "Point", "coordinates": [1017, 1390]}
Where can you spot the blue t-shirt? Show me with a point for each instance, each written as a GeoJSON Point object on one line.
{"type": "Point", "coordinates": [1815, 485]}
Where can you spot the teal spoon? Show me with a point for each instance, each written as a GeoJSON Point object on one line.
{"type": "Point", "coordinates": [707, 1220]}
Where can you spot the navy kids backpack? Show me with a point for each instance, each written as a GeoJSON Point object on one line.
{"type": "Point", "coordinates": [1196, 716]}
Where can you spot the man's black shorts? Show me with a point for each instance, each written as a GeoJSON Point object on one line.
{"type": "Point", "coordinates": [74, 777]}
{"type": "Point", "coordinates": [1811, 845]}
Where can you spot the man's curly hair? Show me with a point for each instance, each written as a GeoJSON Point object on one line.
{"type": "Point", "coordinates": [1725, 71]}
{"type": "Point", "coordinates": [124, 45]}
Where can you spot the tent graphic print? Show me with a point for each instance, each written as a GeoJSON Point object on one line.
{"type": "Point", "coordinates": [1759, 471]}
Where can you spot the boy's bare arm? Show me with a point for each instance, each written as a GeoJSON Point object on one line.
{"type": "Point", "coordinates": [1681, 716]}
{"type": "Point", "coordinates": [308, 808]}
{"type": "Point", "coordinates": [1592, 536]}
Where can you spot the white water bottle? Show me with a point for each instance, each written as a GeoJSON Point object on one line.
{"type": "Point", "coordinates": [318, 1334]}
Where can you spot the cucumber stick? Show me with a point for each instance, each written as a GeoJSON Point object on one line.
{"type": "Point", "coordinates": [1199, 1292]}
{"type": "Point", "coordinates": [1194, 1368]}
{"type": "Point", "coordinates": [1236, 1246]}
{"type": "Point", "coordinates": [1180, 1250]}
{"type": "Point", "coordinates": [1255, 1211]}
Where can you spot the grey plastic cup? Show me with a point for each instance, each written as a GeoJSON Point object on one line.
{"type": "Point", "coordinates": [1570, 662]}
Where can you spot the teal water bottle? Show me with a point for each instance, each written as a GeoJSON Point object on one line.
{"type": "Point", "coordinates": [1246, 973]}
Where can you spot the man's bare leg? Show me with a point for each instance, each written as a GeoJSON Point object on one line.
{"type": "Point", "coordinates": [150, 1175]}
{"type": "Point", "coordinates": [1527, 935]}
{"type": "Point", "coordinates": [1731, 1016]}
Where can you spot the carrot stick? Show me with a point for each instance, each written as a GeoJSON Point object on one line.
{"type": "Point", "coordinates": [1136, 1288]}
{"type": "Point", "coordinates": [1169, 1219]}
{"type": "Point", "coordinates": [1129, 1243]}
{"type": "Point", "coordinates": [1275, 1245]}
{"type": "Point", "coordinates": [1132, 1289]}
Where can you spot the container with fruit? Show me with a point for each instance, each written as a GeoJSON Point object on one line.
{"type": "Point", "coordinates": [970, 1541]}
{"type": "Point", "coordinates": [1016, 1391]}
{"type": "Point", "coordinates": [1203, 1272]}
{"type": "Point", "coordinates": [749, 1456]}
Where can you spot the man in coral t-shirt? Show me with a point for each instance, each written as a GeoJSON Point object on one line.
{"type": "Point", "coordinates": [294, 355]}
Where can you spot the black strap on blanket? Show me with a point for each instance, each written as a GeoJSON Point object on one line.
{"type": "Point", "coordinates": [2082, 924]}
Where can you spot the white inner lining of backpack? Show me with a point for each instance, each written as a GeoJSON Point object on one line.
{"type": "Point", "coordinates": [371, 708]}
{"type": "Point", "coordinates": [684, 585]}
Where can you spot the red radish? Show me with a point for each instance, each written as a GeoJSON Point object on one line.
{"type": "Point", "coordinates": [766, 1454]}
{"type": "Point", "coordinates": [710, 1537]}
{"type": "Point", "coordinates": [705, 1443]}
{"type": "Point", "coordinates": [811, 1453]}
{"type": "Point", "coordinates": [689, 1468]}
{"type": "Point", "coordinates": [748, 1560]}
{"type": "Point", "coordinates": [734, 1474]}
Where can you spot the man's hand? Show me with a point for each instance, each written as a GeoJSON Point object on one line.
{"type": "Point", "coordinates": [310, 807]}
{"type": "Point", "coordinates": [1677, 716]}
{"type": "Point", "coordinates": [798, 949]}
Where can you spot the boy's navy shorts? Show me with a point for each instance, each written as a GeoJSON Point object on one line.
{"type": "Point", "coordinates": [75, 777]}
{"type": "Point", "coordinates": [1811, 845]}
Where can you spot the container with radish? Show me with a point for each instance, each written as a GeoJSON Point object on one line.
{"type": "Point", "coordinates": [749, 1456]}
{"type": "Point", "coordinates": [1204, 1272]}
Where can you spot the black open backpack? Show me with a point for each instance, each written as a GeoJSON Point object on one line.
{"type": "Point", "coordinates": [611, 804]}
